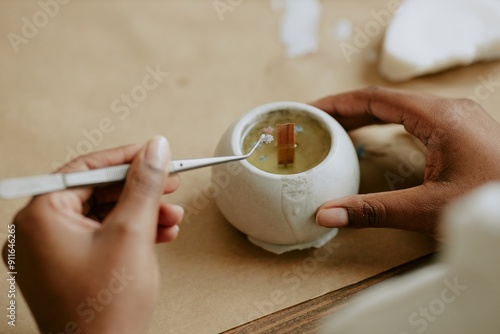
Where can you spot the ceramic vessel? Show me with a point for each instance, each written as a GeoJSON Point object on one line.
{"type": "Point", "coordinates": [277, 212]}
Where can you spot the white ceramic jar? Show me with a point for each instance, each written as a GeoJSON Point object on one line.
{"type": "Point", "coordinates": [277, 211]}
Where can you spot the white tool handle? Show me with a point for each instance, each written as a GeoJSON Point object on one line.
{"type": "Point", "coordinates": [96, 176]}
{"type": "Point", "coordinates": [32, 185]}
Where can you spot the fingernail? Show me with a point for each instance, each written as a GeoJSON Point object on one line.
{"type": "Point", "coordinates": [335, 217]}
{"type": "Point", "coordinates": [179, 209]}
{"type": "Point", "coordinates": [156, 152]}
{"type": "Point", "coordinates": [175, 228]}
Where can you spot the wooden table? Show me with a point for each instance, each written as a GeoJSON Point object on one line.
{"type": "Point", "coordinates": [306, 317]}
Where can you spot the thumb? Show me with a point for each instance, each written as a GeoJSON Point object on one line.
{"type": "Point", "coordinates": [138, 205]}
{"type": "Point", "coordinates": [415, 209]}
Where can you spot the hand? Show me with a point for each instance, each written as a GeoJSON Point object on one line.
{"type": "Point", "coordinates": [463, 151]}
{"type": "Point", "coordinates": [79, 274]}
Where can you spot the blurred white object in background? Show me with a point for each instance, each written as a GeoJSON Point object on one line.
{"type": "Point", "coordinates": [342, 29]}
{"type": "Point", "coordinates": [299, 25]}
{"type": "Point", "coordinates": [428, 36]}
{"type": "Point", "coordinates": [460, 294]}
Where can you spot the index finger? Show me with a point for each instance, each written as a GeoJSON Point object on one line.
{"type": "Point", "coordinates": [111, 157]}
{"type": "Point", "coordinates": [376, 105]}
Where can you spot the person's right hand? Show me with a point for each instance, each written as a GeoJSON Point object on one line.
{"type": "Point", "coordinates": [463, 151]}
{"type": "Point", "coordinates": [85, 257]}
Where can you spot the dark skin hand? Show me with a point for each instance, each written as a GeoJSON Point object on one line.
{"type": "Point", "coordinates": [463, 152]}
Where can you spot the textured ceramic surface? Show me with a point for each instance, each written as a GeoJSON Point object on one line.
{"type": "Point", "coordinates": [279, 210]}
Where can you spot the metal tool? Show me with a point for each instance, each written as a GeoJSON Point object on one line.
{"type": "Point", "coordinates": [36, 185]}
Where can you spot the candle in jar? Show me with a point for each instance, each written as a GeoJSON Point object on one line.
{"type": "Point", "coordinates": [312, 142]}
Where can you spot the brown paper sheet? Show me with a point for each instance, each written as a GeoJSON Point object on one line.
{"type": "Point", "coordinates": [57, 95]}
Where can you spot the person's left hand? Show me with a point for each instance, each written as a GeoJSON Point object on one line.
{"type": "Point", "coordinates": [85, 258]}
